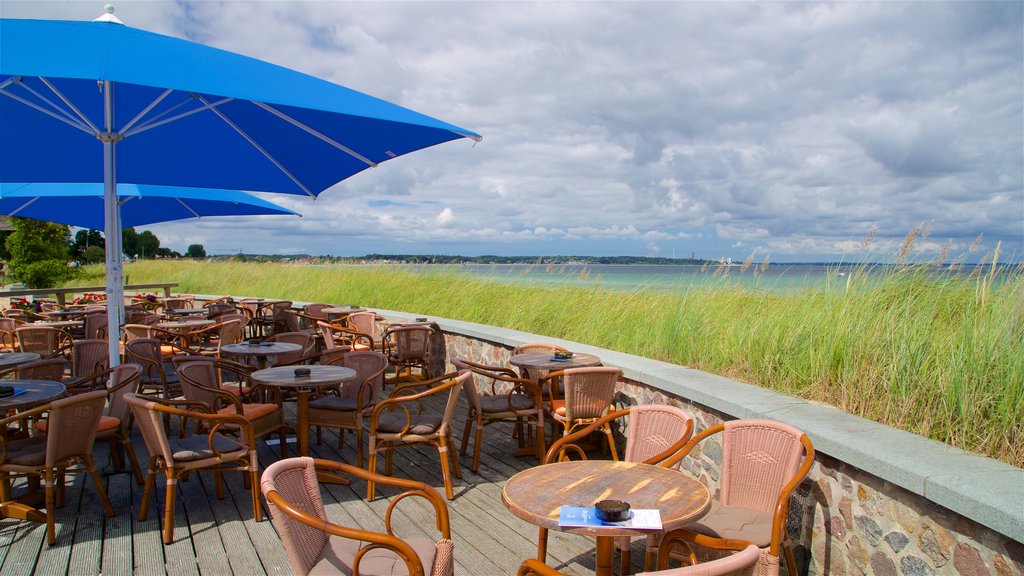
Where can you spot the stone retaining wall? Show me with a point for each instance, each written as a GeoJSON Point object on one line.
{"type": "Point", "coordinates": [844, 519]}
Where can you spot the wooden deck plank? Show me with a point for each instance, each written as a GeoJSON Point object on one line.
{"type": "Point", "coordinates": [118, 560]}
{"type": "Point", "coordinates": [56, 559]}
{"type": "Point", "coordinates": [197, 495]}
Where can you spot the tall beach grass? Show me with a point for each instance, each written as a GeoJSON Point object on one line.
{"type": "Point", "coordinates": [941, 355]}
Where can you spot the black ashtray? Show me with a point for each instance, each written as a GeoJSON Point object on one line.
{"type": "Point", "coordinates": [301, 372]}
{"type": "Point", "coordinates": [6, 391]}
{"type": "Point", "coordinates": [255, 342]}
{"type": "Point", "coordinates": [612, 510]}
{"type": "Point", "coordinates": [565, 355]}
{"type": "Point", "coordinates": [423, 319]}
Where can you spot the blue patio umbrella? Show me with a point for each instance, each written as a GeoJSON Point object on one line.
{"type": "Point", "coordinates": [102, 102]}
{"type": "Point", "coordinates": [141, 204]}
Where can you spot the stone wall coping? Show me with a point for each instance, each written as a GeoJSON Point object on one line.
{"type": "Point", "coordinates": [985, 490]}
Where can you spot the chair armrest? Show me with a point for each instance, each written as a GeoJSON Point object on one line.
{"type": "Point", "coordinates": [534, 567]}
{"type": "Point", "coordinates": [782, 506]}
{"type": "Point", "coordinates": [568, 443]}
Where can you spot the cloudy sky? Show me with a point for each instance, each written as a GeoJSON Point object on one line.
{"type": "Point", "coordinates": [788, 130]}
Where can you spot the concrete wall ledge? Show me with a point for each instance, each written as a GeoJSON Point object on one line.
{"type": "Point", "coordinates": [984, 490]}
{"type": "Point", "coordinates": [987, 491]}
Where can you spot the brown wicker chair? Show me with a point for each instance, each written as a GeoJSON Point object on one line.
{"type": "Point", "coordinates": [763, 461]}
{"type": "Point", "coordinates": [535, 374]}
{"type": "Point", "coordinates": [589, 394]}
{"type": "Point", "coordinates": [315, 545]}
{"type": "Point", "coordinates": [366, 323]}
{"type": "Point", "coordinates": [8, 341]}
{"type": "Point", "coordinates": [353, 401]}
{"type": "Point", "coordinates": [303, 339]}
{"type": "Point", "coordinates": [94, 325]}
{"type": "Point", "coordinates": [201, 383]}
{"type": "Point", "coordinates": [43, 340]}
{"type": "Point", "coordinates": [150, 353]}
{"type": "Point", "coordinates": [511, 399]}
{"type": "Point", "coordinates": [88, 357]}
{"type": "Point", "coordinates": [72, 424]}
{"type": "Point", "coordinates": [47, 369]}
{"type": "Point", "coordinates": [178, 457]}
{"type": "Point", "coordinates": [738, 564]}
{"type": "Point", "coordinates": [407, 348]}
{"type": "Point", "coordinates": [400, 421]}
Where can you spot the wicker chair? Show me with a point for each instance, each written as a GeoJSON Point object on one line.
{"type": "Point", "coordinates": [353, 401]}
{"type": "Point", "coordinates": [654, 433]}
{"type": "Point", "coordinates": [400, 421]}
{"type": "Point", "coordinates": [535, 374]}
{"type": "Point", "coordinates": [303, 339]}
{"type": "Point", "coordinates": [407, 348]}
{"type": "Point", "coordinates": [316, 545]}
{"type": "Point", "coordinates": [589, 393]}
{"type": "Point", "coordinates": [8, 341]}
{"type": "Point", "coordinates": [89, 356]}
{"type": "Point", "coordinates": [179, 457]}
{"type": "Point", "coordinates": [72, 425]}
{"type": "Point", "coordinates": [517, 400]}
{"type": "Point", "coordinates": [335, 335]}
{"type": "Point", "coordinates": [94, 325]}
{"type": "Point", "coordinates": [366, 323]}
{"type": "Point", "coordinates": [43, 340]}
{"type": "Point", "coordinates": [200, 383]}
{"type": "Point", "coordinates": [150, 354]}
{"type": "Point", "coordinates": [734, 565]}
{"type": "Point", "coordinates": [763, 461]}
{"type": "Point", "coordinates": [46, 369]}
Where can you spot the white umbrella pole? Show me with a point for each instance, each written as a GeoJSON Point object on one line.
{"type": "Point", "coordinates": [112, 230]}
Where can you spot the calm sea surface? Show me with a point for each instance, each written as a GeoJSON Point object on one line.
{"type": "Point", "coordinates": [650, 277]}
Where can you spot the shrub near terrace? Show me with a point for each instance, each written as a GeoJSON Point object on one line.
{"type": "Point", "coordinates": [941, 355]}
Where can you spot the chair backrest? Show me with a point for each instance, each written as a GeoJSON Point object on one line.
{"type": "Point", "coordinates": [365, 322]}
{"type": "Point", "coordinates": [89, 356]}
{"type": "Point", "coordinates": [123, 380]}
{"type": "Point", "coordinates": [216, 309]}
{"type": "Point", "coordinates": [544, 347]}
{"type": "Point", "coordinates": [327, 331]}
{"type": "Point", "coordinates": [653, 429]}
{"type": "Point", "coordinates": [43, 340]}
{"type": "Point", "coordinates": [759, 457]}
{"type": "Point", "coordinates": [410, 342]}
{"type": "Point", "coordinates": [8, 324]}
{"type": "Point", "coordinates": [315, 310]}
{"type": "Point", "coordinates": [95, 325]}
{"type": "Point", "coordinates": [589, 392]}
{"type": "Point", "coordinates": [469, 387]}
{"type": "Point", "coordinates": [290, 318]}
{"type": "Point", "coordinates": [295, 480]}
{"type": "Point", "coordinates": [49, 306]}
{"type": "Point", "coordinates": [304, 339]}
{"type": "Point", "coordinates": [369, 366]}
{"type": "Point", "coordinates": [231, 330]}
{"type": "Point", "coordinates": [72, 425]}
{"type": "Point", "coordinates": [151, 424]}
{"type": "Point", "coordinates": [197, 378]}
{"type": "Point", "coordinates": [7, 339]}
{"type": "Point", "coordinates": [14, 313]}
{"type": "Point", "coordinates": [453, 399]}
{"type": "Point", "coordinates": [146, 352]}
{"type": "Point", "coordinates": [47, 369]}
{"type": "Point", "coordinates": [133, 331]}
{"type": "Point", "coordinates": [177, 302]}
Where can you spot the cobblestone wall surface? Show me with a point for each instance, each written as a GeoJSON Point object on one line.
{"type": "Point", "coordinates": [842, 520]}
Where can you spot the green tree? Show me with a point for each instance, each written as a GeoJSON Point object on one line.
{"type": "Point", "coordinates": [86, 239]}
{"type": "Point", "coordinates": [93, 255]}
{"type": "Point", "coordinates": [129, 242]}
{"type": "Point", "coordinates": [195, 251]}
{"type": "Point", "coordinates": [39, 253]}
{"type": "Point", "coordinates": [148, 244]}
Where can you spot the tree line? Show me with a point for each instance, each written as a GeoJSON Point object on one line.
{"type": "Point", "coordinates": [44, 254]}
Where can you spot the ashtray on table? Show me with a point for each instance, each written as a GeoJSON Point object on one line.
{"type": "Point", "coordinates": [612, 510]}
{"type": "Point", "coordinates": [302, 372]}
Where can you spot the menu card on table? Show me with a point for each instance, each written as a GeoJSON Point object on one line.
{"type": "Point", "coordinates": [583, 516]}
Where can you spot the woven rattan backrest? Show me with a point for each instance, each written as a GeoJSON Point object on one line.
{"type": "Point", "coordinates": [365, 322]}
{"type": "Point", "coordinates": [71, 426]}
{"type": "Point", "coordinates": [758, 458]}
{"type": "Point", "coordinates": [48, 369]}
{"type": "Point", "coordinates": [589, 392]}
{"type": "Point", "coordinates": [39, 339]}
{"type": "Point", "coordinates": [177, 302]}
{"type": "Point", "coordinates": [230, 331]}
{"type": "Point", "coordinates": [146, 353]}
{"type": "Point", "coordinates": [304, 339]}
{"type": "Point", "coordinates": [123, 381]}
{"type": "Point", "coordinates": [328, 333]}
{"type": "Point", "coordinates": [291, 320]}
{"type": "Point", "coordinates": [543, 347]}
{"type": "Point", "coordinates": [469, 387]}
{"type": "Point", "coordinates": [315, 310]}
{"type": "Point", "coordinates": [295, 480]}
{"type": "Point", "coordinates": [14, 313]}
{"type": "Point", "coordinates": [653, 429]}
{"type": "Point", "coordinates": [151, 424]}
{"type": "Point", "coordinates": [194, 377]}
{"type": "Point", "coordinates": [411, 342]}
{"type": "Point", "coordinates": [95, 325]}
{"type": "Point", "coordinates": [367, 364]}
{"type": "Point", "coordinates": [88, 356]}
{"type": "Point", "coordinates": [133, 331]}
{"type": "Point", "coordinates": [8, 324]}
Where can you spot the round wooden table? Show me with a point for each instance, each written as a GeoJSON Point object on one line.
{"type": "Point", "coordinates": [545, 361]}
{"type": "Point", "coordinates": [185, 312]}
{"type": "Point", "coordinates": [537, 494]}
{"type": "Point", "coordinates": [35, 392]}
{"type": "Point", "coordinates": [320, 376]}
{"type": "Point", "coordinates": [9, 359]}
{"type": "Point", "coordinates": [60, 324]}
{"type": "Point", "coordinates": [67, 313]}
{"type": "Point", "coordinates": [261, 351]}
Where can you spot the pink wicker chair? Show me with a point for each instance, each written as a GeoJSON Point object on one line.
{"type": "Point", "coordinates": [589, 393]}
{"type": "Point", "coordinates": [95, 325]}
{"type": "Point", "coordinates": [535, 374]}
{"type": "Point", "coordinates": [89, 356]}
{"type": "Point", "coordinates": [71, 431]}
{"type": "Point", "coordinates": [43, 340]}
{"type": "Point", "coordinates": [399, 421]}
{"type": "Point", "coordinates": [354, 401]}
{"type": "Point", "coordinates": [763, 461]}
{"type": "Point", "coordinates": [178, 457]}
{"type": "Point", "coordinates": [366, 323]}
{"type": "Point", "coordinates": [315, 545]}
{"type": "Point", "coordinates": [654, 434]}
{"type": "Point", "coordinates": [517, 400]}
{"type": "Point", "coordinates": [737, 564]}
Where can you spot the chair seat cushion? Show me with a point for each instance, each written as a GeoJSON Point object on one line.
{"type": "Point", "coordinates": [339, 553]}
{"type": "Point", "coordinates": [106, 423]}
{"type": "Point", "coordinates": [735, 523]}
{"type": "Point", "coordinates": [251, 411]}
{"type": "Point", "coordinates": [558, 407]}
{"type": "Point", "coordinates": [198, 447]}
{"type": "Point", "coordinates": [332, 402]}
{"type": "Point", "coordinates": [237, 389]}
{"type": "Point", "coordinates": [422, 425]}
{"type": "Point", "coordinates": [26, 452]}
{"type": "Point", "coordinates": [500, 403]}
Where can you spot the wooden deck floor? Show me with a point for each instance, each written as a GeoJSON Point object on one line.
{"type": "Point", "coordinates": [219, 536]}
